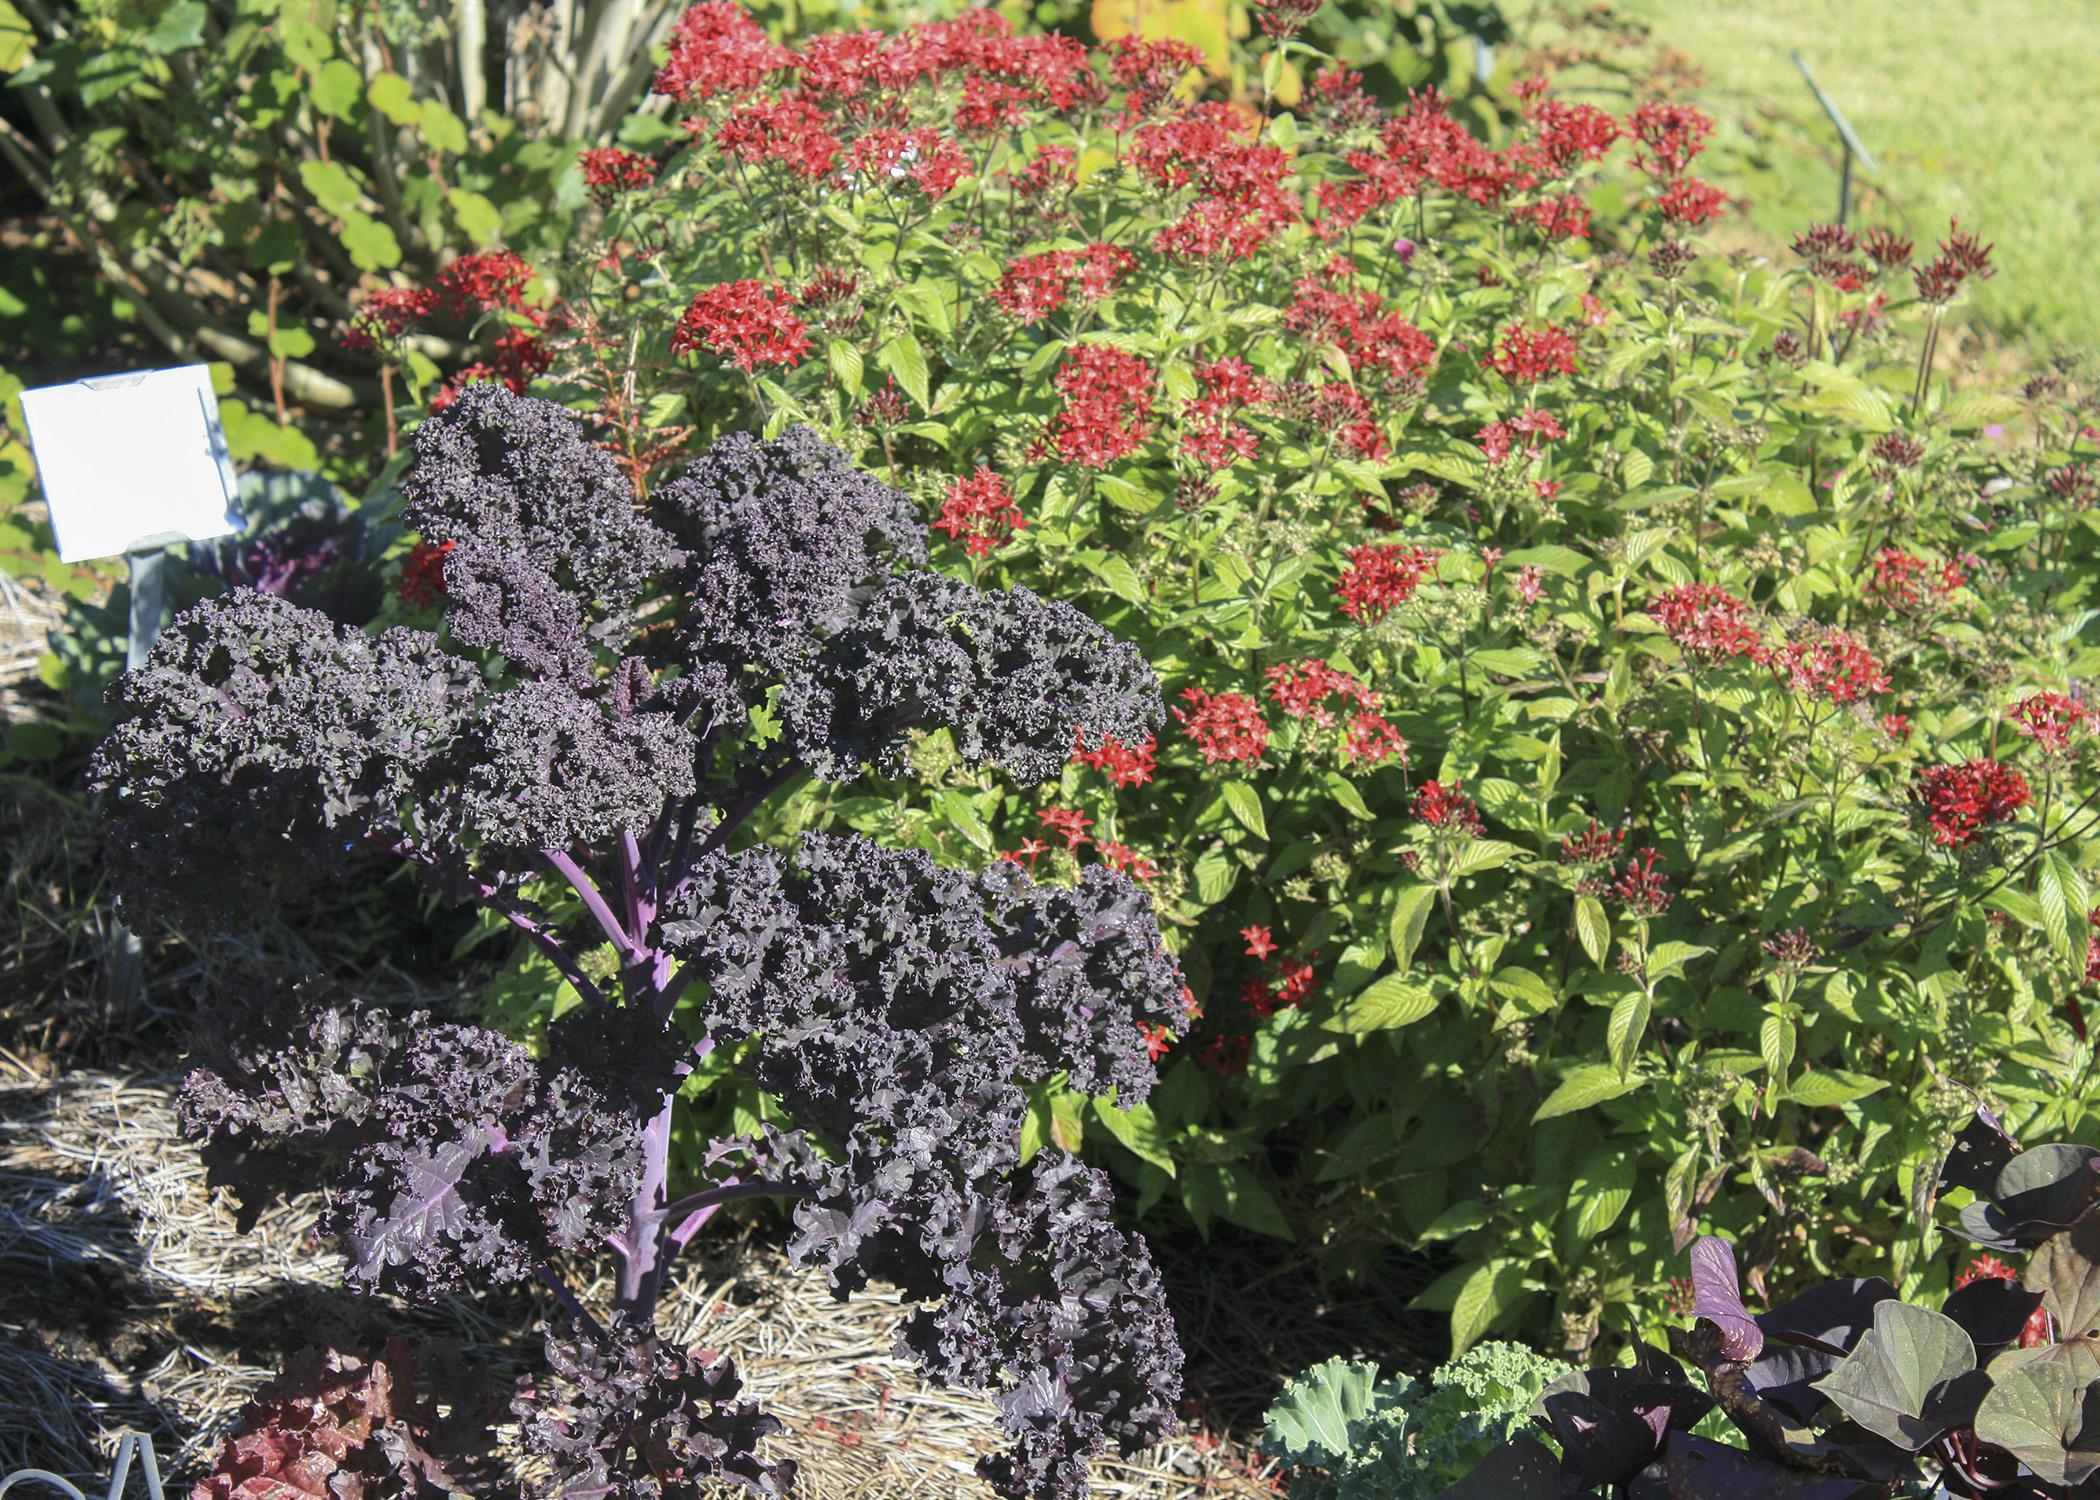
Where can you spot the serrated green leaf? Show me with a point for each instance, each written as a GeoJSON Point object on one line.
{"type": "Point", "coordinates": [1583, 1088]}
{"type": "Point", "coordinates": [1386, 1004]}
{"type": "Point", "coordinates": [1245, 804]}
{"type": "Point", "coordinates": [1628, 1025]}
{"type": "Point", "coordinates": [1410, 917]}
{"type": "Point", "coordinates": [336, 88]}
{"type": "Point", "coordinates": [846, 365]}
{"type": "Point", "coordinates": [1138, 1131]}
{"type": "Point", "coordinates": [371, 245]}
{"type": "Point", "coordinates": [478, 219]}
{"type": "Point", "coordinates": [903, 358]}
{"type": "Point", "coordinates": [390, 94]}
{"type": "Point", "coordinates": [441, 129]}
{"type": "Point", "coordinates": [1593, 928]}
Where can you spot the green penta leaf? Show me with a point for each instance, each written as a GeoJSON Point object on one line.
{"type": "Point", "coordinates": [903, 358]}
{"type": "Point", "coordinates": [1629, 1023]}
{"type": "Point", "coordinates": [1245, 804]}
{"type": "Point", "coordinates": [1584, 1087]}
{"type": "Point", "coordinates": [1410, 916]}
{"type": "Point", "coordinates": [1593, 927]}
{"type": "Point", "coordinates": [1137, 1131]}
{"type": "Point", "coordinates": [1903, 1380]}
{"type": "Point", "coordinates": [1384, 1005]}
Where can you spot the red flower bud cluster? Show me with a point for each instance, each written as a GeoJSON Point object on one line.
{"type": "Point", "coordinates": [1446, 808]}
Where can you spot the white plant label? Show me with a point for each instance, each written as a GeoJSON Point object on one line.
{"type": "Point", "coordinates": [130, 462]}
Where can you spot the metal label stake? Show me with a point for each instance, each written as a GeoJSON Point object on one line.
{"type": "Point", "coordinates": [1847, 138]}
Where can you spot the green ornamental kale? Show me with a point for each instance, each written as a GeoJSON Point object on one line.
{"type": "Point", "coordinates": [1352, 1436]}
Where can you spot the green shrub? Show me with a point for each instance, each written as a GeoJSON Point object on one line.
{"type": "Point", "coordinates": [1626, 765]}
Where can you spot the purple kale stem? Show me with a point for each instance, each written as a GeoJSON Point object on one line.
{"type": "Point", "coordinates": [732, 1191]}
{"type": "Point", "coordinates": [491, 897]}
{"type": "Point", "coordinates": [551, 1279]}
{"type": "Point", "coordinates": [641, 909]}
{"type": "Point", "coordinates": [594, 900]}
{"type": "Point", "coordinates": [641, 1245]}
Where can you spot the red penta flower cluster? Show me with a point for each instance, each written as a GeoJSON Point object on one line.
{"type": "Point", "coordinates": [1307, 689]}
{"type": "Point", "coordinates": [1381, 578]}
{"type": "Point", "coordinates": [1241, 200]}
{"type": "Point", "coordinates": [1446, 808]}
{"type": "Point", "coordinates": [609, 171]}
{"type": "Point", "coordinates": [924, 160]}
{"type": "Point", "coordinates": [1903, 580]}
{"type": "Point", "coordinates": [1068, 823]}
{"type": "Point", "coordinates": [1212, 437]}
{"type": "Point", "coordinates": [792, 134]}
{"type": "Point", "coordinates": [474, 285]}
{"type": "Point", "coordinates": [1831, 665]}
{"type": "Point", "coordinates": [1108, 397]}
{"type": "Point", "coordinates": [422, 584]}
{"type": "Point", "coordinates": [1378, 341]}
{"type": "Point", "coordinates": [1225, 726]}
{"type": "Point", "coordinates": [750, 322]}
{"type": "Point", "coordinates": [1690, 202]}
{"type": "Point", "coordinates": [717, 49]}
{"type": "Point", "coordinates": [1497, 439]}
{"type": "Point", "coordinates": [1671, 135]}
{"type": "Point", "coordinates": [386, 314]}
{"type": "Point", "coordinates": [2092, 948]}
{"type": "Point", "coordinates": [980, 512]}
{"type": "Point", "coordinates": [1123, 765]}
{"type": "Point", "coordinates": [1034, 286]}
{"type": "Point", "coordinates": [1708, 623]}
{"type": "Point", "coordinates": [1525, 356]}
{"type": "Point", "coordinates": [2050, 719]}
{"type": "Point", "coordinates": [1963, 801]}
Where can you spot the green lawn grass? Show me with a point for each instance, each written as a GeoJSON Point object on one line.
{"type": "Point", "coordinates": [1986, 109]}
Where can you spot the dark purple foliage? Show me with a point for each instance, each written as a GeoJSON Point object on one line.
{"type": "Point", "coordinates": [585, 717]}
{"type": "Point", "coordinates": [1847, 1390]}
{"type": "Point", "coordinates": [633, 1418]}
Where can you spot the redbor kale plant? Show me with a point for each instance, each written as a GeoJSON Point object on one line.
{"type": "Point", "coordinates": [615, 689]}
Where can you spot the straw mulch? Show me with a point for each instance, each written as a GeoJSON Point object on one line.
{"type": "Point", "coordinates": [128, 1299]}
